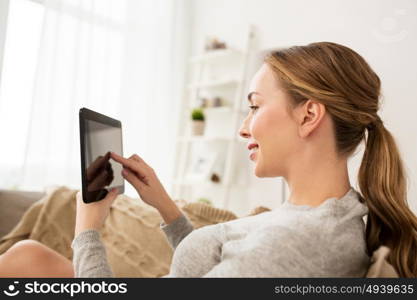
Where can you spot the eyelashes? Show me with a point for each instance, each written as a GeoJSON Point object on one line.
{"type": "Point", "coordinates": [253, 107]}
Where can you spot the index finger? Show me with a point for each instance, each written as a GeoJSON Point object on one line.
{"type": "Point", "coordinates": [129, 163]}
{"type": "Point", "coordinates": [119, 158]}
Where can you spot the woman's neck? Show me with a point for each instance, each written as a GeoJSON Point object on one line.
{"type": "Point", "coordinates": [312, 181]}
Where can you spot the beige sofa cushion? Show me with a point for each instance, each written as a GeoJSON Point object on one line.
{"type": "Point", "coordinates": [13, 204]}
{"type": "Point", "coordinates": [380, 267]}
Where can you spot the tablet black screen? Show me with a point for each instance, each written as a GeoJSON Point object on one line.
{"type": "Point", "coordinates": [100, 135]}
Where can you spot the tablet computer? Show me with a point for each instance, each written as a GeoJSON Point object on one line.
{"type": "Point", "coordinates": [99, 135]}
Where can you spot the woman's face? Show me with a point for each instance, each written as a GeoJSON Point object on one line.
{"type": "Point", "coordinates": [269, 126]}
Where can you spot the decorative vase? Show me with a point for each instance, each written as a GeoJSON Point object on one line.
{"type": "Point", "coordinates": [197, 127]}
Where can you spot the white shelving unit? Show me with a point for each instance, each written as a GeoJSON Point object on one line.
{"type": "Point", "coordinates": [203, 81]}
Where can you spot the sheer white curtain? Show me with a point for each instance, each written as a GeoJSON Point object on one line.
{"type": "Point", "coordinates": [118, 57]}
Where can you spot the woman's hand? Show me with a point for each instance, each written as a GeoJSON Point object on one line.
{"type": "Point", "coordinates": [99, 173]}
{"type": "Point", "coordinates": [143, 178]}
{"type": "Point", "coordinates": [92, 215]}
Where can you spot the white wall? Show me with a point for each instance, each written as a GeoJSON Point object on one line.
{"type": "Point", "coordinates": [4, 9]}
{"type": "Point", "coordinates": [384, 32]}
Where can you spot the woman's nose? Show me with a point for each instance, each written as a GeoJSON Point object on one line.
{"type": "Point", "coordinates": [243, 132]}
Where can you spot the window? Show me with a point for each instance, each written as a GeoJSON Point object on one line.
{"type": "Point", "coordinates": [112, 56]}
{"type": "Point", "coordinates": [23, 35]}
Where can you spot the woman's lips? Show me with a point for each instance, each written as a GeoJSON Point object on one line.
{"type": "Point", "coordinates": [253, 148]}
{"type": "Point", "coordinates": [252, 145]}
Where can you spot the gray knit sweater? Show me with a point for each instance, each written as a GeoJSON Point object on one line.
{"type": "Point", "coordinates": [289, 241]}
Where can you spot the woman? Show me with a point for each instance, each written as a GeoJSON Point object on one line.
{"type": "Point", "coordinates": [311, 106]}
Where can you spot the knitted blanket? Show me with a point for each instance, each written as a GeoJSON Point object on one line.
{"type": "Point", "coordinates": [135, 245]}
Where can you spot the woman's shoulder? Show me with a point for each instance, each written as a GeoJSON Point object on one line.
{"type": "Point", "coordinates": [321, 229]}
{"type": "Point", "coordinates": [205, 233]}
{"type": "Point", "coordinates": [335, 251]}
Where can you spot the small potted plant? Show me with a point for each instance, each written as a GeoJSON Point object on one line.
{"type": "Point", "coordinates": [205, 201]}
{"type": "Point", "coordinates": [197, 125]}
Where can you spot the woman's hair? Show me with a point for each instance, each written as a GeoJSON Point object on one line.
{"type": "Point", "coordinates": [341, 79]}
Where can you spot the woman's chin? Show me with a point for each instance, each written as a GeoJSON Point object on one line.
{"type": "Point", "coordinates": [258, 171]}
{"type": "Point", "coordinates": [262, 172]}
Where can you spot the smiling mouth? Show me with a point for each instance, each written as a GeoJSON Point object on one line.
{"type": "Point", "coordinates": [252, 146]}
{"type": "Point", "coordinates": [253, 153]}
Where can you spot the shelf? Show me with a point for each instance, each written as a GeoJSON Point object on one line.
{"type": "Point", "coordinates": [220, 73]}
{"type": "Point", "coordinates": [207, 139]}
{"type": "Point", "coordinates": [215, 54]}
{"type": "Point", "coordinates": [205, 183]}
{"type": "Point", "coordinates": [190, 182]}
{"type": "Point", "coordinates": [216, 83]}
{"type": "Point", "coordinates": [220, 109]}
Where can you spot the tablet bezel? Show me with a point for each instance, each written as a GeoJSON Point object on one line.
{"type": "Point", "coordinates": [88, 114]}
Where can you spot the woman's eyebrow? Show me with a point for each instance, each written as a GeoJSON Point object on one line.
{"type": "Point", "coordinates": [250, 96]}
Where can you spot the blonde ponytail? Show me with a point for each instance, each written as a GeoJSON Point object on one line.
{"type": "Point", "coordinates": [382, 183]}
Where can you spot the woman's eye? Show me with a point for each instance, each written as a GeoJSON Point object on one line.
{"type": "Point", "coordinates": [253, 107]}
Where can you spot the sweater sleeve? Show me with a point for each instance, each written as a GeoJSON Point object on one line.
{"type": "Point", "coordinates": [177, 230]}
{"type": "Point", "coordinates": [89, 257]}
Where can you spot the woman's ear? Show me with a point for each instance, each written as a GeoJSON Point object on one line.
{"type": "Point", "coordinates": [309, 116]}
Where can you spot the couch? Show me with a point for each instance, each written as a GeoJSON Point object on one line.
{"type": "Point", "coordinates": [141, 252]}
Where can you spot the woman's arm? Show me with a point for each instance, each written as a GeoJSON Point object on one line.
{"type": "Point", "coordinates": [89, 253]}
{"type": "Point", "coordinates": [177, 230]}
{"type": "Point", "coordinates": [143, 178]}
{"type": "Point", "coordinates": [169, 211]}
{"type": "Point", "coordinates": [90, 259]}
